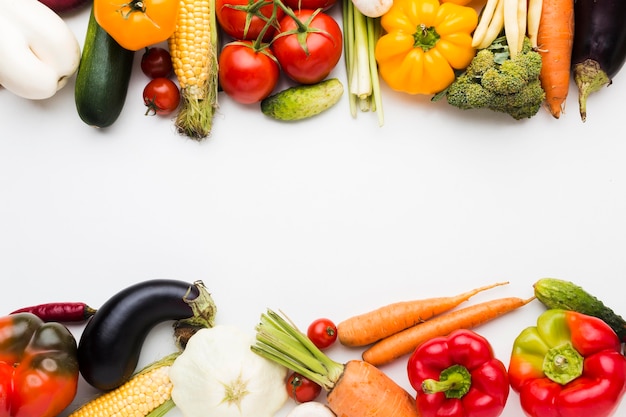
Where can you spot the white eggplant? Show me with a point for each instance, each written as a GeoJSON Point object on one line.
{"type": "Point", "coordinates": [38, 50]}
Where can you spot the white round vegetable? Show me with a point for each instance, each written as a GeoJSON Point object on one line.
{"type": "Point", "coordinates": [218, 375]}
{"type": "Point", "coordinates": [311, 409]}
{"type": "Point", "coordinates": [373, 8]}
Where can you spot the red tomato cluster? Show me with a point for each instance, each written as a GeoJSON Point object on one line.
{"type": "Point", "coordinates": [269, 37]}
{"type": "Point", "coordinates": [161, 95]}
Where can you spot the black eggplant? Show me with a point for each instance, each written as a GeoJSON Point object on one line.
{"type": "Point", "coordinates": [599, 49]}
{"type": "Point", "coordinates": [110, 344]}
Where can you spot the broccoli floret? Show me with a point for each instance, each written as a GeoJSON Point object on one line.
{"type": "Point", "coordinates": [495, 81]}
{"type": "Point", "coordinates": [522, 105]}
{"type": "Point", "coordinates": [508, 78]}
{"type": "Point", "coordinates": [483, 60]}
{"type": "Point", "coordinates": [531, 62]}
{"type": "Point", "coordinates": [467, 94]}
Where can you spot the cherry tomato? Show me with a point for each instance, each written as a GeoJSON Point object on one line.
{"type": "Point", "coordinates": [245, 74]}
{"type": "Point", "coordinates": [156, 62]}
{"type": "Point", "coordinates": [323, 46]}
{"type": "Point", "coordinates": [241, 19]}
{"type": "Point", "coordinates": [161, 96]}
{"type": "Point", "coordinates": [322, 332]}
{"type": "Point", "coordinates": [302, 389]}
{"type": "Point", "coordinates": [310, 4]}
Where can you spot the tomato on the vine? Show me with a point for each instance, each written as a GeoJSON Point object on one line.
{"type": "Point", "coordinates": [156, 62]}
{"type": "Point", "coordinates": [247, 74]}
{"type": "Point", "coordinates": [302, 389]}
{"type": "Point", "coordinates": [245, 19]}
{"type": "Point", "coordinates": [322, 332]}
{"type": "Point", "coordinates": [161, 96]}
{"type": "Point", "coordinates": [310, 4]}
{"type": "Point", "coordinates": [310, 58]}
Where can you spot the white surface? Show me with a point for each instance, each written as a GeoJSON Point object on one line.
{"type": "Point", "coordinates": [327, 217]}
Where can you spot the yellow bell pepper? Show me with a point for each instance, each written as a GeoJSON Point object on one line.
{"type": "Point", "coordinates": [424, 42]}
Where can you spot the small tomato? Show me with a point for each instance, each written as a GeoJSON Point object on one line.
{"type": "Point", "coordinates": [302, 389]}
{"type": "Point", "coordinates": [156, 62]}
{"type": "Point", "coordinates": [322, 332]}
{"type": "Point", "coordinates": [161, 96]}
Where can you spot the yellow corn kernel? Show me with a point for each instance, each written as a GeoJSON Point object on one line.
{"type": "Point", "coordinates": [193, 47]}
{"type": "Point", "coordinates": [144, 393]}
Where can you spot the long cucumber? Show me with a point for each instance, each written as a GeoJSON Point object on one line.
{"type": "Point", "coordinates": [103, 77]}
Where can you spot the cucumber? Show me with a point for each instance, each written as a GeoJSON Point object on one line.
{"type": "Point", "coordinates": [102, 78]}
{"type": "Point", "coordinates": [557, 293]}
{"type": "Point", "coordinates": [303, 101]}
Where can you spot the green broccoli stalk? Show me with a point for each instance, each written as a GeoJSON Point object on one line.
{"type": "Point", "coordinates": [495, 81]}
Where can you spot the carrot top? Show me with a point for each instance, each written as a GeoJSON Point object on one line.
{"type": "Point", "coordinates": [279, 340]}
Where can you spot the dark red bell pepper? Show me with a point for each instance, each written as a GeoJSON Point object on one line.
{"type": "Point", "coordinates": [38, 367]}
{"type": "Point", "coordinates": [458, 376]}
{"type": "Point", "coordinates": [568, 365]}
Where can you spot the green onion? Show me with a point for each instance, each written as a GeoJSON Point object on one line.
{"type": "Point", "coordinates": [360, 36]}
{"type": "Point", "coordinates": [280, 341]}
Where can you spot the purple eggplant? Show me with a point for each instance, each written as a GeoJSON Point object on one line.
{"type": "Point", "coordinates": [65, 6]}
{"type": "Point", "coordinates": [599, 49]}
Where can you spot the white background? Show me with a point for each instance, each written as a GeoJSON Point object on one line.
{"type": "Point", "coordinates": [331, 216]}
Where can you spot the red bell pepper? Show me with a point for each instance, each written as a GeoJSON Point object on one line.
{"type": "Point", "coordinates": [568, 365]}
{"type": "Point", "coordinates": [38, 367]}
{"type": "Point", "coordinates": [458, 376]}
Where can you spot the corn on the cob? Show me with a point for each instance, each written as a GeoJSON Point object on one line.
{"type": "Point", "coordinates": [193, 47]}
{"type": "Point", "coordinates": [147, 393]}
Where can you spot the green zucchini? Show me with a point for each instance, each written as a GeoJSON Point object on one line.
{"type": "Point", "coordinates": [303, 101]}
{"type": "Point", "coordinates": [102, 78]}
{"type": "Point", "coordinates": [557, 293]}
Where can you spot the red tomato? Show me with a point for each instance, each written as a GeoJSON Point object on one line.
{"type": "Point", "coordinates": [302, 389]}
{"type": "Point", "coordinates": [156, 62]}
{"type": "Point", "coordinates": [234, 15]}
{"type": "Point", "coordinates": [310, 4]}
{"type": "Point", "coordinates": [322, 332]}
{"type": "Point", "coordinates": [323, 42]}
{"type": "Point", "coordinates": [161, 96]}
{"type": "Point", "coordinates": [245, 74]}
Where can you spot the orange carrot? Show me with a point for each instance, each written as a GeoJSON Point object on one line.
{"type": "Point", "coordinates": [364, 390]}
{"type": "Point", "coordinates": [555, 39]}
{"type": "Point", "coordinates": [354, 389]}
{"type": "Point", "coordinates": [406, 341]}
{"type": "Point", "coordinates": [374, 325]}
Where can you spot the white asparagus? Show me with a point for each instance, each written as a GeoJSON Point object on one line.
{"type": "Point", "coordinates": [495, 27]}
{"type": "Point", "coordinates": [522, 16]}
{"type": "Point", "coordinates": [511, 25]}
{"type": "Point", "coordinates": [486, 18]}
{"type": "Point", "coordinates": [534, 20]}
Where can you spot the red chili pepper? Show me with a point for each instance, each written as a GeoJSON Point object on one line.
{"type": "Point", "coordinates": [38, 367]}
{"type": "Point", "coordinates": [458, 376]}
{"type": "Point", "coordinates": [65, 312]}
{"type": "Point", "coordinates": [569, 364]}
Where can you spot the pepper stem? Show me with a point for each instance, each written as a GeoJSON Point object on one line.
{"type": "Point", "coordinates": [425, 37]}
{"type": "Point", "coordinates": [454, 382]}
{"type": "Point", "coordinates": [563, 364]}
